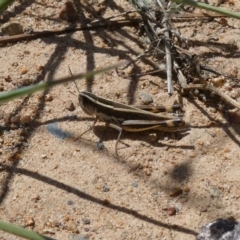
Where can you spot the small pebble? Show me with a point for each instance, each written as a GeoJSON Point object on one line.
{"type": "Point", "coordinates": [186, 189]}
{"type": "Point", "coordinates": [68, 12]}
{"type": "Point", "coordinates": [171, 211]}
{"type": "Point", "coordinates": [146, 97]}
{"type": "Point", "coordinates": [70, 202]}
{"type": "Point", "coordinates": [134, 165]}
{"type": "Point", "coordinates": [70, 106]}
{"type": "Point", "coordinates": [13, 126]}
{"type": "Point", "coordinates": [147, 171]}
{"type": "Point", "coordinates": [105, 189]}
{"type": "Point", "coordinates": [86, 221]}
{"type": "Point", "coordinates": [234, 117]}
{"type": "Point", "coordinates": [175, 192]}
{"type": "Point", "coordinates": [17, 156]}
{"type": "Point", "coordinates": [48, 231]}
{"type": "Point", "coordinates": [49, 97]}
{"type": "Point", "coordinates": [24, 70]}
{"type": "Point", "coordinates": [40, 68]}
{"type": "Point", "coordinates": [135, 184]}
{"type": "Point", "coordinates": [15, 119]}
{"type": "Point", "coordinates": [78, 237]}
{"type": "Point", "coordinates": [8, 78]}
{"type": "Point", "coordinates": [153, 137]}
{"type": "Point", "coordinates": [71, 226]}
{"type": "Point", "coordinates": [35, 198]}
{"type": "Point", "coordinates": [25, 119]}
{"type": "Point", "coordinates": [26, 81]}
{"type": "Point", "coordinates": [15, 64]}
{"type": "Point", "coordinates": [212, 133]}
{"type": "Point", "coordinates": [100, 145]}
{"type": "Point", "coordinates": [29, 221]}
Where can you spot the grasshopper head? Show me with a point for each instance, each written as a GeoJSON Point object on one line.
{"type": "Point", "coordinates": [86, 103]}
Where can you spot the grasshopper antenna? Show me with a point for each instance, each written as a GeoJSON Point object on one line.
{"type": "Point", "coordinates": [73, 79]}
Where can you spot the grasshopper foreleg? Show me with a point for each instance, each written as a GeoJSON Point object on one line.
{"type": "Point", "coordinates": [119, 136]}
{"type": "Point", "coordinates": [91, 127]}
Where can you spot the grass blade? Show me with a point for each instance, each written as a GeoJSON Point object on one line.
{"type": "Point", "coordinates": [209, 8]}
{"type": "Point", "coordinates": [22, 232]}
{"type": "Point", "coordinates": [4, 4]}
{"type": "Point", "coordinates": [7, 96]}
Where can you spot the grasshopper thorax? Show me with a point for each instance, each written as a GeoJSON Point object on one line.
{"type": "Point", "coordinates": [86, 104]}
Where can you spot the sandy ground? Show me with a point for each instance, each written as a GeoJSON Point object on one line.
{"type": "Point", "coordinates": [74, 188]}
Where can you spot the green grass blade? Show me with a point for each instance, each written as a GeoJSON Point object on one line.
{"type": "Point", "coordinates": [22, 232]}
{"type": "Point", "coordinates": [4, 4]}
{"type": "Point", "coordinates": [7, 96]}
{"type": "Point", "coordinates": [209, 7]}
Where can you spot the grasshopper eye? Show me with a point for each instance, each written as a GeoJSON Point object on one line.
{"type": "Point", "coordinates": [86, 105]}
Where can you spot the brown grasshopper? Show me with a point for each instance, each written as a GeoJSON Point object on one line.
{"type": "Point", "coordinates": [129, 118]}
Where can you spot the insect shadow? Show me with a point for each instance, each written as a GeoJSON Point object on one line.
{"type": "Point", "coordinates": [105, 133]}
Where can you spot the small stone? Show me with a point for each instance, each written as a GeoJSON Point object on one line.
{"type": "Point", "coordinates": [153, 137]}
{"type": "Point", "coordinates": [70, 106]}
{"type": "Point", "coordinates": [43, 156]}
{"type": "Point", "coordinates": [35, 198]}
{"type": "Point", "coordinates": [105, 189]}
{"type": "Point", "coordinates": [146, 97]}
{"type": "Point", "coordinates": [117, 94]}
{"type": "Point", "coordinates": [13, 126]}
{"type": "Point", "coordinates": [218, 81]}
{"type": "Point", "coordinates": [24, 70]}
{"type": "Point", "coordinates": [40, 68]}
{"type": "Point", "coordinates": [86, 221]}
{"type": "Point", "coordinates": [15, 119]}
{"type": "Point", "coordinates": [70, 202]}
{"type": "Point", "coordinates": [29, 221]}
{"type": "Point", "coordinates": [78, 237]}
{"type": "Point", "coordinates": [147, 171]}
{"type": "Point", "coordinates": [175, 192]}
{"type": "Point", "coordinates": [8, 78]}
{"type": "Point", "coordinates": [134, 165]}
{"type": "Point", "coordinates": [100, 145]}
{"type": "Point", "coordinates": [26, 81]}
{"type": "Point", "coordinates": [100, 9]}
{"type": "Point", "coordinates": [212, 133]}
{"type": "Point", "coordinates": [220, 229]}
{"type": "Point", "coordinates": [15, 64]}
{"type": "Point", "coordinates": [48, 231]}
{"type": "Point", "coordinates": [186, 189]}
{"type": "Point", "coordinates": [68, 12]}
{"type": "Point", "coordinates": [25, 119]}
{"type": "Point", "coordinates": [17, 156]}
{"type": "Point", "coordinates": [171, 211]}
{"type": "Point", "coordinates": [13, 28]}
{"type": "Point", "coordinates": [135, 184]}
{"type": "Point", "coordinates": [49, 97]}
{"type": "Point", "coordinates": [1, 88]}
{"type": "Point", "coordinates": [71, 226]}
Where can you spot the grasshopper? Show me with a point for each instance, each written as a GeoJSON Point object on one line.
{"type": "Point", "coordinates": [128, 118]}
